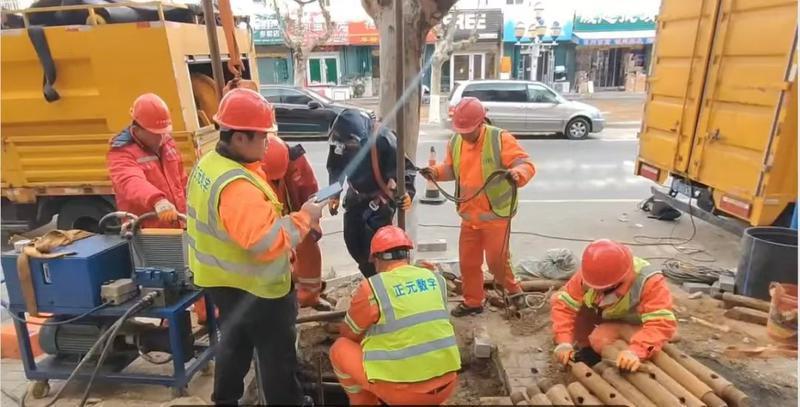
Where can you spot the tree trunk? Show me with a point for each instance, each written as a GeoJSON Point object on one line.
{"type": "Point", "coordinates": [434, 111]}
{"type": "Point", "coordinates": [299, 62]}
{"type": "Point", "coordinates": [390, 95]}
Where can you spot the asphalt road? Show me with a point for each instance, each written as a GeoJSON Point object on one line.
{"type": "Point", "coordinates": [597, 169]}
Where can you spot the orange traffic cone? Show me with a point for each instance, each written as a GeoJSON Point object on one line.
{"type": "Point", "coordinates": [432, 195]}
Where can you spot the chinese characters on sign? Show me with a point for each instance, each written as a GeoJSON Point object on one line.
{"type": "Point", "coordinates": [410, 287]}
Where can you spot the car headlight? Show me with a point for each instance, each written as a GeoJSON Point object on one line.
{"type": "Point", "coordinates": [597, 115]}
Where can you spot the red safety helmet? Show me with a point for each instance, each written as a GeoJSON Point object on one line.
{"type": "Point", "coordinates": [468, 115]}
{"type": "Point", "coordinates": [151, 113]}
{"type": "Point", "coordinates": [245, 110]}
{"type": "Point", "coordinates": [390, 238]}
{"type": "Point", "coordinates": [605, 263]}
{"type": "Point", "coordinates": [276, 158]}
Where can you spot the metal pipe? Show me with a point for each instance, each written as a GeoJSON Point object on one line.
{"type": "Point", "coordinates": [400, 118]}
{"type": "Point", "coordinates": [213, 45]}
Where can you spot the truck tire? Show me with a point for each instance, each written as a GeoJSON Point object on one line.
{"type": "Point", "coordinates": [83, 213]}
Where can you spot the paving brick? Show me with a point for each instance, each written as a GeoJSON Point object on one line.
{"type": "Point", "coordinates": [692, 288]}
{"type": "Point", "coordinates": [482, 345]}
{"type": "Point", "coordinates": [727, 283]}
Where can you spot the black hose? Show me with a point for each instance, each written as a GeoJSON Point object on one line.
{"type": "Point", "coordinates": [57, 323]}
{"type": "Point", "coordinates": [143, 303]}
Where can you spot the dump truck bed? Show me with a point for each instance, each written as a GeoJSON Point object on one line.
{"type": "Point", "coordinates": [721, 109]}
{"type": "Point", "coordinates": [59, 147]}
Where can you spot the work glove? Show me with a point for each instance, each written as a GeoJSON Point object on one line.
{"type": "Point", "coordinates": [404, 202]}
{"type": "Point", "coordinates": [313, 209]}
{"type": "Point", "coordinates": [628, 361]}
{"type": "Point", "coordinates": [333, 206]}
{"type": "Point", "coordinates": [166, 211]}
{"type": "Point", "coordinates": [427, 173]}
{"type": "Point", "coordinates": [514, 175]}
{"type": "Point", "coordinates": [563, 353]}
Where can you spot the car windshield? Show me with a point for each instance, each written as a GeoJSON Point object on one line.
{"type": "Point", "coordinates": [319, 96]}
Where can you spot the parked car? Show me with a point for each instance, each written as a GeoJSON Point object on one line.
{"type": "Point", "coordinates": [303, 112]}
{"type": "Point", "coordinates": [528, 107]}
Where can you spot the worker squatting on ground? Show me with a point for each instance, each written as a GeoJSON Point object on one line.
{"type": "Point", "coordinates": [239, 246]}
{"type": "Point", "coordinates": [398, 345]}
{"type": "Point", "coordinates": [368, 206]}
{"type": "Point", "coordinates": [291, 177]}
{"type": "Point", "coordinates": [612, 289]}
{"type": "Point", "coordinates": [145, 166]}
{"type": "Point", "coordinates": [473, 154]}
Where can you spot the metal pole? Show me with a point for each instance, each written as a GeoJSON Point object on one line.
{"type": "Point", "coordinates": [213, 45]}
{"type": "Point", "coordinates": [400, 118]}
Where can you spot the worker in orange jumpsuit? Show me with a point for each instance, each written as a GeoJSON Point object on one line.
{"type": "Point", "coordinates": [398, 345]}
{"type": "Point", "coordinates": [612, 291]}
{"type": "Point", "coordinates": [145, 166]}
{"type": "Point", "coordinates": [292, 178]}
{"type": "Point", "coordinates": [485, 226]}
{"type": "Point", "coordinates": [239, 248]}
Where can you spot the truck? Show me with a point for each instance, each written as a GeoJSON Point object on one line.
{"type": "Point", "coordinates": [97, 59]}
{"type": "Point", "coordinates": [720, 116]}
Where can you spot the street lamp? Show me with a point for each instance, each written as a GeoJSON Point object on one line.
{"type": "Point", "coordinates": [519, 31]}
{"type": "Point", "coordinates": [555, 31]}
{"type": "Point", "coordinates": [538, 10]}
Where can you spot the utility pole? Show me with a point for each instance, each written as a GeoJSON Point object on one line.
{"type": "Point", "coordinates": [213, 45]}
{"type": "Point", "coordinates": [400, 118]}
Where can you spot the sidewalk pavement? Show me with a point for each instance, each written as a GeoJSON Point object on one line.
{"type": "Point", "coordinates": [568, 223]}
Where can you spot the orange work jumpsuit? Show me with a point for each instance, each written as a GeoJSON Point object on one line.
{"type": "Point", "coordinates": [293, 190]}
{"type": "Point", "coordinates": [347, 359]}
{"type": "Point", "coordinates": [483, 236]}
{"type": "Point", "coordinates": [573, 321]}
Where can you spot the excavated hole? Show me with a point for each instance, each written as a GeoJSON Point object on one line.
{"type": "Point", "coordinates": [682, 400]}
{"type": "Point", "coordinates": [580, 400]}
{"type": "Point", "coordinates": [715, 377]}
{"type": "Point", "coordinates": [588, 374]}
{"type": "Point", "coordinates": [612, 395]}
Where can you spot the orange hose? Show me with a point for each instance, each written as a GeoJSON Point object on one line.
{"type": "Point", "coordinates": [235, 64]}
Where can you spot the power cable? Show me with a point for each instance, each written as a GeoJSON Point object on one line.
{"type": "Point", "coordinates": [55, 323]}
{"type": "Point", "coordinates": [143, 303]}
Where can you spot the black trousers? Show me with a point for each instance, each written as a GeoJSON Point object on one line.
{"type": "Point", "coordinates": [248, 322]}
{"type": "Point", "coordinates": [360, 224]}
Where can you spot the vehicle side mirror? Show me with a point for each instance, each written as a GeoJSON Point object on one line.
{"type": "Point", "coordinates": [314, 105]}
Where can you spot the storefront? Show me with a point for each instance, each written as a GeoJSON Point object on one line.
{"type": "Point", "coordinates": [613, 52]}
{"type": "Point", "coordinates": [556, 59]}
{"type": "Point", "coordinates": [273, 59]}
{"type": "Point", "coordinates": [481, 59]}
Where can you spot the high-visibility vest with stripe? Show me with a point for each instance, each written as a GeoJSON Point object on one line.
{"type": "Point", "coordinates": [625, 308]}
{"type": "Point", "coordinates": [499, 191]}
{"type": "Point", "coordinates": [413, 340]}
{"type": "Point", "coordinates": [214, 258]}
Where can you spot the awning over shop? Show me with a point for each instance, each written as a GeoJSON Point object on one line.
{"type": "Point", "coordinates": [637, 37]}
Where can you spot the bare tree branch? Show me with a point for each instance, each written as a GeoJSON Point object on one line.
{"type": "Point", "coordinates": [329, 26]}
{"type": "Point", "coordinates": [282, 24]}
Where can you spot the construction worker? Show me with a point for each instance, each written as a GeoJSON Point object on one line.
{"type": "Point", "coordinates": [239, 246]}
{"type": "Point", "coordinates": [474, 153]}
{"type": "Point", "coordinates": [398, 345]}
{"type": "Point", "coordinates": [145, 167]}
{"type": "Point", "coordinates": [371, 175]}
{"type": "Point", "coordinates": [291, 177]}
{"type": "Point", "coordinates": [612, 291]}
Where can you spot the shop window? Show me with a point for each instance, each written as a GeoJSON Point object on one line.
{"type": "Point", "coordinates": [323, 70]}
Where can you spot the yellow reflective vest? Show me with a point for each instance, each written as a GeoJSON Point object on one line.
{"type": "Point", "coordinates": [625, 308]}
{"type": "Point", "coordinates": [413, 340]}
{"type": "Point", "coordinates": [214, 258]}
{"type": "Point", "coordinates": [499, 191]}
